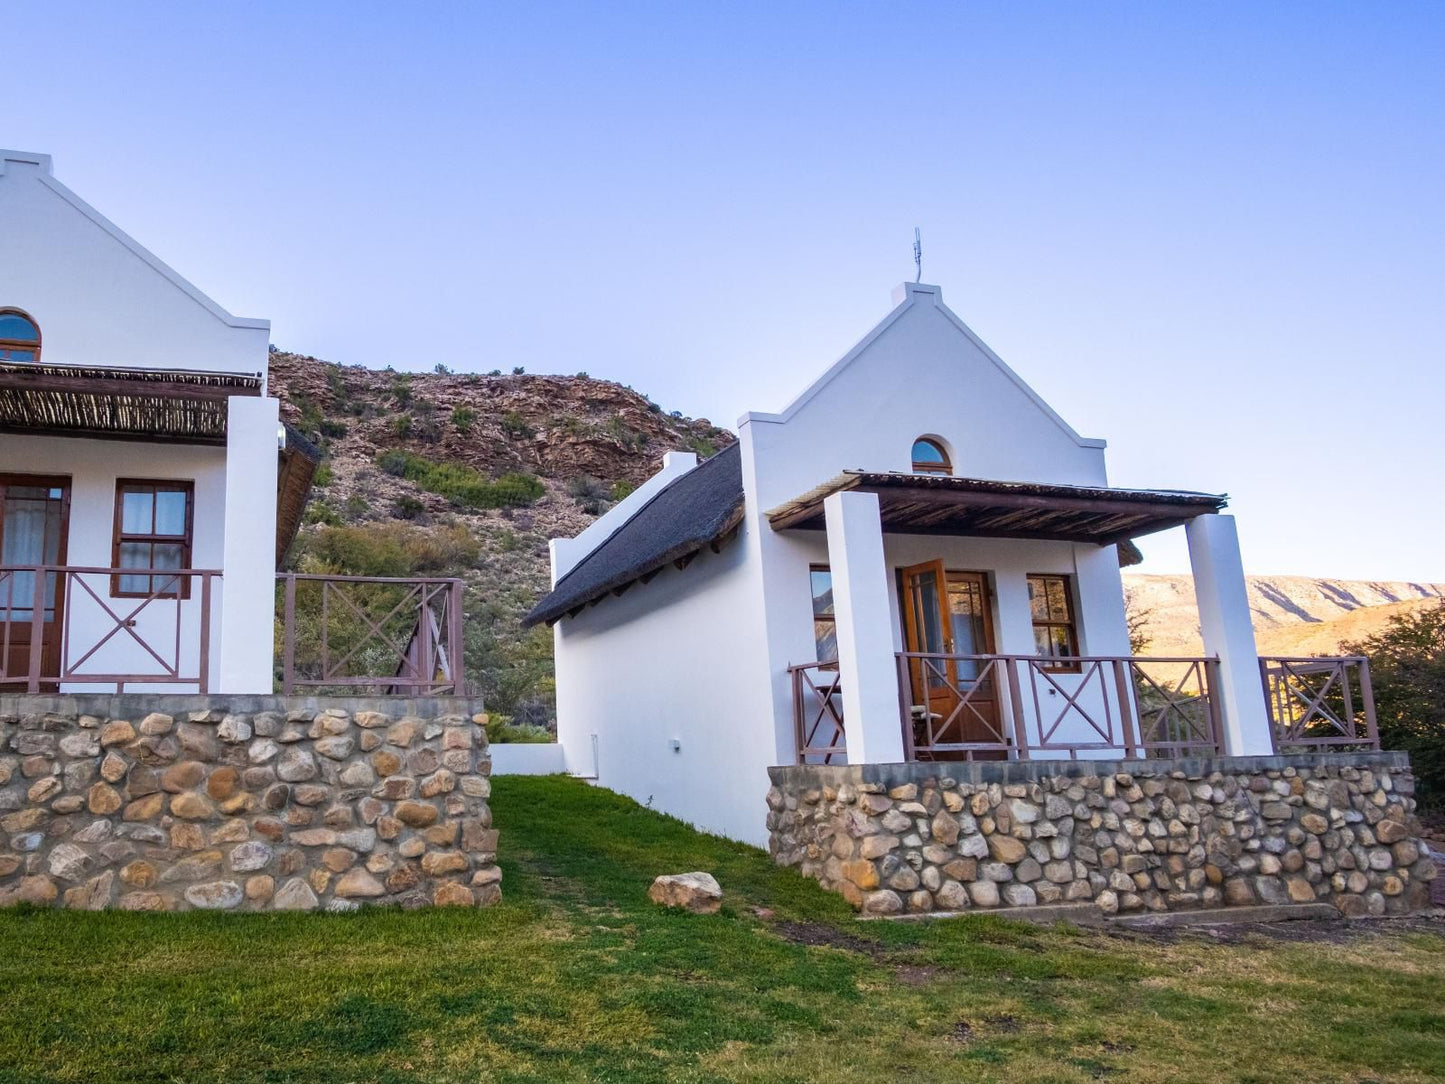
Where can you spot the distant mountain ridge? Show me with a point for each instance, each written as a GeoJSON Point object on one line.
{"type": "Point", "coordinates": [1292, 614]}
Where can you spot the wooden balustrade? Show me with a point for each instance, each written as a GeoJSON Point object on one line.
{"type": "Point", "coordinates": [80, 626]}
{"type": "Point", "coordinates": [1314, 704]}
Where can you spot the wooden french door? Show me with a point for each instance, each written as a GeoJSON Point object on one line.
{"type": "Point", "coordinates": [34, 521]}
{"type": "Point", "coordinates": [953, 700]}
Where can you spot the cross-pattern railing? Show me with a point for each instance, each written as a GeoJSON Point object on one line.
{"type": "Point", "coordinates": [1058, 707]}
{"type": "Point", "coordinates": [817, 713]}
{"type": "Point", "coordinates": [950, 706]}
{"type": "Point", "coordinates": [384, 634]}
{"type": "Point", "coordinates": [1017, 707]}
{"type": "Point", "coordinates": [1320, 703]}
{"type": "Point", "coordinates": [76, 625]}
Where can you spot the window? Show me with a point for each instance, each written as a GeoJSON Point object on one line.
{"type": "Point", "coordinates": [1052, 607]}
{"type": "Point", "coordinates": [930, 458]}
{"type": "Point", "coordinates": [19, 337]}
{"type": "Point", "coordinates": [152, 531]}
{"type": "Point", "coordinates": [825, 621]}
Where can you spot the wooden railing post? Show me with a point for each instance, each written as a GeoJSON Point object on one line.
{"type": "Point", "coordinates": [1216, 713]}
{"type": "Point", "coordinates": [1367, 696]}
{"type": "Point", "coordinates": [37, 629]}
{"type": "Point", "coordinates": [1016, 707]}
{"type": "Point", "coordinates": [455, 646]}
{"type": "Point", "coordinates": [905, 713]}
{"type": "Point", "coordinates": [288, 635]}
{"type": "Point", "coordinates": [1349, 701]}
{"type": "Point", "coordinates": [203, 682]}
{"type": "Point", "coordinates": [1128, 710]}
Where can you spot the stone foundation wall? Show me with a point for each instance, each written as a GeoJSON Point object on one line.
{"type": "Point", "coordinates": [1160, 835]}
{"type": "Point", "coordinates": [172, 802]}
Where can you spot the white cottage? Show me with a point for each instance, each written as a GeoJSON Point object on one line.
{"type": "Point", "coordinates": [917, 559]}
{"type": "Point", "coordinates": [147, 487]}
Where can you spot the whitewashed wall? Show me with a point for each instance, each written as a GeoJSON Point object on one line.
{"type": "Point", "coordinates": [676, 659]}
{"type": "Point", "coordinates": [93, 467]}
{"type": "Point", "coordinates": [99, 297]}
{"type": "Point", "coordinates": [920, 372]}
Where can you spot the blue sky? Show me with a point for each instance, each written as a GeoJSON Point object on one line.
{"type": "Point", "coordinates": [1211, 233]}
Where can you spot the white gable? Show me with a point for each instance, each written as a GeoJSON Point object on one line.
{"type": "Point", "coordinates": [920, 372]}
{"type": "Point", "coordinates": [98, 296]}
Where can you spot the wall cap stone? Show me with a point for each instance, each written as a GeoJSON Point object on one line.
{"type": "Point", "coordinates": [1031, 771]}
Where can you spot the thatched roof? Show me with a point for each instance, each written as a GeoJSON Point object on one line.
{"type": "Point", "coordinates": [981, 507]}
{"type": "Point", "coordinates": [295, 470]}
{"type": "Point", "coordinates": [187, 407]}
{"type": "Point", "coordinates": [152, 405]}
{"type": "Point", "coordinates": [697, 510]}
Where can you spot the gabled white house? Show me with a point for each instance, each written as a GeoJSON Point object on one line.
{"type": "Point", "coordinates": [142, 463]}
{"type": "Point", "coordinates": [918, 559]}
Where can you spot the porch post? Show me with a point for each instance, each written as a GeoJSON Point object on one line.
{"type": "Point", "coordinates": [1228, 632]}
{"type": "Point", "coordinates": [866, 668]}
{"type": "Point", "coordinates": [248, 571]}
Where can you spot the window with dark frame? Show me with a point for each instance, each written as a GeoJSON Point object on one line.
{"type": "Point", "coordinates": [1051, 605]}
{"type": "Point", "coordinates": [825, 621]}
{"type": "Point", "coordinates": [152, 531]}
{"type": "Point", "coordinates": [19, 337]}
{"type": "Point", "coordinates": [930, 458]}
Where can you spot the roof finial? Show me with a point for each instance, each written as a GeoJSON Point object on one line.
{"type": "Point", "coordinates": [918, 254]}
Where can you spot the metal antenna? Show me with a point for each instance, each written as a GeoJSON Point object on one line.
{"type": "Point", "coordinates": [918, 254]}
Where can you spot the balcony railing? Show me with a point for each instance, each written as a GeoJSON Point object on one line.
{"type": "Point", "coordinates": [954, 706]}
{"type": "Point", "coordinates": [1320, 703]}
{"type": "Point", "coordinates": [817, 713]}
{"type": "Point", "coordinates": [75, 625]}
{"type": "Point", "coordinates": [378, 634]}
{"type": "Point", "coordinates": [1020, 707]}
{"type": "Point", "coordinates": [71, 627]}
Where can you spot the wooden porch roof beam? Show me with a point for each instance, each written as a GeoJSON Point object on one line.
{"type": "Point", "coordinates": [913, 504]}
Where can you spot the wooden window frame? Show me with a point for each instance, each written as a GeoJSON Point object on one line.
{"type": "Point", "coordinates": [925, 467]}
{"type": "Point", "coordinates": [831, 618]}
{"type": "Point", "coordinates": [182, 589]}
{"type": "Point", "coordinates": [1070, 626]}
{"type": "Point", "coordinates": [19, 344]}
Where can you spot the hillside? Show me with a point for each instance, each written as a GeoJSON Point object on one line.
{"type": "Point", "coordinates": [1293, 615]}
{"type": "Point", "coordinates": [511, 459]}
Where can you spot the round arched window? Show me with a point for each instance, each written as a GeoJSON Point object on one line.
{"type": "Point", "coordinates": [19, 337]}
{"type": "Point", "coordinates": [930, 458]}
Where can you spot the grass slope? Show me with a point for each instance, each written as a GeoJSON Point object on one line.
{"type": "Point", "coordinates": [577, 977]}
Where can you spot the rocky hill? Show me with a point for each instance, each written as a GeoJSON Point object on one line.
{"type": "Point", "coordinates": [470, 474]}
{"type": "Point", "coordinates": [1293, 615]}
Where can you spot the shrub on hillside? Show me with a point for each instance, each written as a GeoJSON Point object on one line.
{"type": "Point", "coordinates": [463, 418]}
{"type": "Point", "coordinates": [459, 483]}
{"type": "Point", "coordinates": [591, 494]}
{"type": "Point", "coordinates": [386, 549]}
{"type": "Point", "coordinates": [514, 425]}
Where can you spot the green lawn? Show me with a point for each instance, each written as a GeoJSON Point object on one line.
{"type": "Point", "coordinates": [577, 977]}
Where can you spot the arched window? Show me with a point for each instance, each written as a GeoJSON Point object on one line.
{"type": "Point", "coordinates": [19, 337]}
{"type": "Point", "coordinates": [930, 458]}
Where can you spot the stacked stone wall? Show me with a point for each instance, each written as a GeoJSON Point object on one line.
{"type": "Point", "coordinates": [163, 803]}
{"type": "Point", "coordinates": [1159, 835]}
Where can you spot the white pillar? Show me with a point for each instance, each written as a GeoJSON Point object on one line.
{"type": "Point", "coordinates": [248, 571]}
{"type": "Point", "coordinates": [867, 671]}
{"type": "Point", "coordinates": [1228, 632]}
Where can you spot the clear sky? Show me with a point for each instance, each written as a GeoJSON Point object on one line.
{"type": "Point", "coordinates": [1211, 233]}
